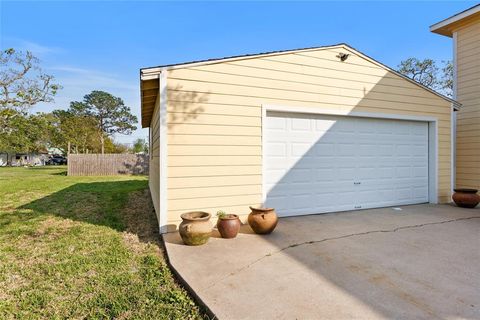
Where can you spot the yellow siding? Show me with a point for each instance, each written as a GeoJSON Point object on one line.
{"type": "Point", "coordinates": [468, 94]}
{"type": "Point", "coordinates": [214, 120]}
{"type": "Point", "coordinates": [154, 169]}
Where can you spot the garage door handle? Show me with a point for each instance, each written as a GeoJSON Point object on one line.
{"type": "Point", "coordinates": [356, 182]}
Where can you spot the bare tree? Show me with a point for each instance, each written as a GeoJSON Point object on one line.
{"type": "Point", "coordinates": [428, 73]}
{"type": "Point", "coordinates": [22, 82]}
{"type": "Point", "coordinates": [422, 71]}
{"type": "Point", "coordinates": [446, 80]}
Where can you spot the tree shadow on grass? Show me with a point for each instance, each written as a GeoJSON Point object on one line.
{"type": "Point", "coordinates": [120, 205]}
{"type": "Point", "coordinates": [61, 173]}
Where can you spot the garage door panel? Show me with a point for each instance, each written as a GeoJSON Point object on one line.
{"type": "Point", "coordinates": [276, 149]}
{"type": "Point", "coordinates": [319, 164]}
{"type": "Point", "coordinates": [301, 149]}
{"type": "Point", "coordinates": [325, 149]}
{"type": "Point", "coordinates": [421, 193]}
{"type": "Point", "coordinates": [276, 124]}
{"type": "Point", "coordinates": [420, 172]}
{"type": "Point", "coordinates": [325, 174]}
{"type": "Point", "coordinates": [290, 189]}
{"type": "Point", "coordinates": [324, 126]}
{"type": "Point", "coordinates": [279, 202]}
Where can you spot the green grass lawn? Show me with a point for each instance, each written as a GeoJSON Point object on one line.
{"type": "Point", "coordinates": [82, 247]}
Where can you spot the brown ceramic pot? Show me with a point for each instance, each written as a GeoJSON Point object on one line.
{"type": "Point", "coordinates": [195, 228]}
{"type": "Point", "coordinates": [228, 226]}
{"type": "Point", "coordinates": [262, 220]}
{"type": "Point", "coordinates": [466, 198]}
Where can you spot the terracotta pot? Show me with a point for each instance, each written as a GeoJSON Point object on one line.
{"type": "Point", "coordinates": [466, 198]}
{"type": "Point", "coordinates": [228, 226]}
{"type": "Point", "coordinates": [262, 220]}
{"type": "Point", "coordinates": [195, 228]}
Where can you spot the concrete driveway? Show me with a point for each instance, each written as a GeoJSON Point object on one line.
{"type": "Point", "coordinates": [419, 262]}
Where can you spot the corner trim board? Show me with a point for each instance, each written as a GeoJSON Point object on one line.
{"type": "Point", "coordinates": [453, 124]}
{"type": "Point", "coordinates": [163, 199]}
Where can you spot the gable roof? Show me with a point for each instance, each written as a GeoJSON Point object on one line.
{"type": "Point", "coordinates": [149, 84]}
{"type": "Point", "coordinates": [447, 26]}
{"type": "Point", "coordinates": [236, 57]}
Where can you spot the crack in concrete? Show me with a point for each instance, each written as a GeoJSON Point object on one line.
{"type": "Point", "coordinates": [336, 238]}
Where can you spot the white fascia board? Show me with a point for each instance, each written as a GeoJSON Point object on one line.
{"type": "Point", "coordinates": [455, 18]}
{"type": "Point", "coordinates": [156, 70]}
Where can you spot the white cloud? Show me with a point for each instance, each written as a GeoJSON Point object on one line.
{"type": "Point", "coordinates": [81, 77]}
{"type": "Point", "coordinates": [37, 49]}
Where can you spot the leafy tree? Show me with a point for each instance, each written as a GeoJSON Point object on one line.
{"type": "Point", "coordinates": [115, 147]}
{"type": "Point", "coordinates": [73, 133]}
{"type": "Point", "coordinates": [140, 145]}
{"type": "Point", "coordinates": [110, 112]}
{"type": "Point", "coordinates": [26, 133]}
{"type": "Point", "coordinates": [22, 82]}
{"type": "Point", "coordinates": [427, 72]}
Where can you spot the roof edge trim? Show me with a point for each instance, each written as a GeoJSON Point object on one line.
{"type": "Point", "coordinates": [455, 18]}
{"type": "Point", "coordinates": [151, 70]}
{"type": "Point", "coordinates": [154, 72]}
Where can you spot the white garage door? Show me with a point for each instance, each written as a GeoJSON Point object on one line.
{"type": "Point", "coordinates": [318, 163]}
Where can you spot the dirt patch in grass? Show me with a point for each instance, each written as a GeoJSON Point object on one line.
{"type": "Point", "coordinates": [10, 201]}
{"type": "Point", "coordinates": [53, 227]}
{"type": "Point", "coordinates": [141, 223]}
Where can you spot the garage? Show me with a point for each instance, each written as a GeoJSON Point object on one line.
{"type": "Point", "coordinates": [322, 163]}
{"type": "Point", "coordinates": [304, 131]}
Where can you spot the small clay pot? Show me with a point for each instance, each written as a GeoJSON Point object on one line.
{"type": "Point", "coordinates": [262, 220]}
{"type": "Point", "coordinates": [195, 228]}
{"type": "Point", "coordinates": [228, 226]}
{"type": "Point", "coordinates": [466, 198]}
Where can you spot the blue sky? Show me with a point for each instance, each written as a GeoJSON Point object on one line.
{"type": "Point", "coordinates": [100, 45]}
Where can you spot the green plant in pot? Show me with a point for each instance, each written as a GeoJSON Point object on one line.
{"type": "Point", "coordinates": [228, 224]}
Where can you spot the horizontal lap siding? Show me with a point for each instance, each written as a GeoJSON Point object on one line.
{"type": "Point", "coordinates": [214, 120]}
{"type": "Point", "coordinates": [468, 118]}
{"type": "Point", "coordinates": [154, 173]}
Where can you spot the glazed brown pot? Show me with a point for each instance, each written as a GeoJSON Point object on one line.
{"type": "Point", "coordinates": [228, 226]}
{"type": "Point", "coordinates": [466, 198]}
{"type": "Point", "coordinates": [262, 220]}
{"type": "Point", "coordinates": [195, 228]}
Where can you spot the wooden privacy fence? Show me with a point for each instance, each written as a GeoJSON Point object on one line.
{"type": "Point", "coordinates": [107, 164]}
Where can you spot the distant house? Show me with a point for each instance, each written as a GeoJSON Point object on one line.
{"type": "Point", "coordinates": [3, 159]}
{"type": "Point", "coordinates": [23, 159]}
{"type": "Point", "coordinates": [464, 28]}
{"type": "Point", "coordinates": [305, 131]}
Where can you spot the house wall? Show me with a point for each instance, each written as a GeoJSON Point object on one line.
{"type": "Point", "coordinates": [33, 159]}
{"type": "Point", "coordinates": [154, 169]}
{"type": "Point", "coordinates": [468, 94]}
{"type": "Point", "coordinates": [3, 159]}
{"type": "Point", "coordinates": [214, 120]}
